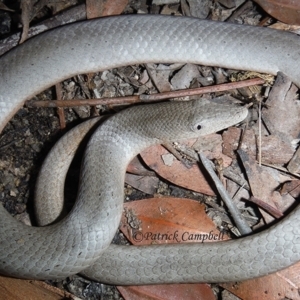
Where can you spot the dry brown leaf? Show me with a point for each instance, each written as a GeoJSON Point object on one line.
{"type": "Point", "coordinates": [264, 183]}
{"type": "Point", "coordinates": [282, 116]}
{"type": "Point", "coordinates": [137, 167]}
{"type": "Point", "coordinates": [159, 77]}
{"type": "Point", "coordinates": [287, 11]}
{"type": "Point", "coordinates": [280, 285]}
{"type": "Point", "coordinates": [167, 220]}
{"type": "Point", "coordinates": [169, 291]}
{"type": "Point", "coordinates": [146, 184]}
{"type": "Point", "coordinates": [292, 187]}
{"type": "Point", "coordinates": [294, 164]}
{"type": "Point", "coordinates": [284, 150]}
{"type": "Point", "coordinates": [96, 8]}
{"type": "Point", "coordinates": [177, 173]}
{"type": "Point", "coordinates": [212, 147]}
{"type": "Point", "coordinates": [282, 155]}
{"type": "Point", "coordinates": [12, 289]}
{"type": "Point", "coordinates": [183, 78]}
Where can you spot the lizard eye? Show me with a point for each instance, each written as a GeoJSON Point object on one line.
{"type": "Point", "coordinates": [197, 127]}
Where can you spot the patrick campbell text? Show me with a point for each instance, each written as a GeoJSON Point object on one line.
{"type": "Point", "coordinates": [175, 236]}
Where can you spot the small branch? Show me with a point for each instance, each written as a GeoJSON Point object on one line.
{"type": "Point", "coordinates": [176, 153]}
{"type": "Point", "coordinates": [228, 173]}
{"type": "Point", "coordinates": [266, 207]}
{"type": "Point", "coordinates": [145, 98]}
{"type": "Point", "coordinates": [203, 90]}
{"type": "Point", "coordinates": [282, 169]}
{"type": "Point", "coordinates": [82, 102]}
{"type": "Point", "coordinates": [235, 213]}
{"type": "Point", "coordinates": [26, 7]}
{"type": "Point", "coordinates": [60, 110]}
{"type": "Point", "coordinates": [259, 133]}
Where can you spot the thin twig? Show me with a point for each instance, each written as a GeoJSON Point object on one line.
{"type": "Point", "coordinates": [267, 207]}
{"type": "Point", "coordinates": [203, 90]}
{"type": "Point", "coordinates": [145, 98]}
{"type": "Point", "coordinates": [264, 21]}
{"type": "Point", "coordinates": [259, 133]}
{"type": "Point", "coordinates": [26, 7]}
{"type": "Point", "coordinates": [82, 102]}
{"type": "Point", "coordinates": [176, 153]}
{"type": "Point", "coordinates": [60, 110]}
{"type": "Point", "coordinates": [235, 213]}
{"type": "Point", "coordinates": [228, 173]}
{"type": "Point", "coordinates": [282, 169]}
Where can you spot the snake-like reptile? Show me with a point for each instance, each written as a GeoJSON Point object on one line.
{"type": "Point", "coordinates": [79, 241]}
